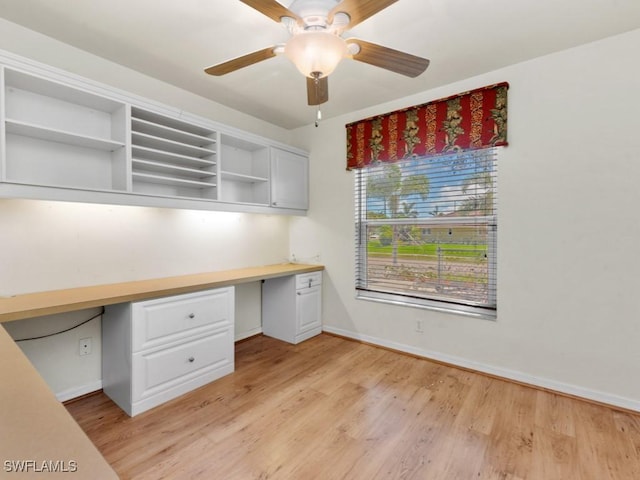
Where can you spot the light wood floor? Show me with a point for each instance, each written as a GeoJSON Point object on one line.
{"type": "Point", "coordinates": [330, 408]}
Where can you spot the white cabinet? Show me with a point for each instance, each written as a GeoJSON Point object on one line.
{"type": "Point", "coordinates": [156, 350]}
{"type": "Point", "coordinates": [63, 137]}
{"type": "Point", "coordinates": [291, 307]}
{"type": "Point", "coordinates": [289, 179]}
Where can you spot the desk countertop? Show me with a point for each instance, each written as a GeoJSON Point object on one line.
{"type": "Point", "coordinates": [38, 304]}
{"type": "Point", "coordinates": [36, 427]}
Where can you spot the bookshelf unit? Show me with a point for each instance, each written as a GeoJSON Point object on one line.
{"type": "Point", "coordinates": [63, 137]}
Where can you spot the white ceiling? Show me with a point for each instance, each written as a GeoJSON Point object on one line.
{"type": "Point", "coordinates": [174, 40]}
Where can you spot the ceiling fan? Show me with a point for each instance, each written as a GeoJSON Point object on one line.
{"type": "Point", "coordinates": [316, 45]}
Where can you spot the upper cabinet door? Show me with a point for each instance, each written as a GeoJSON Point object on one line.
{"type": "Point", "coordinates": [289, 179]}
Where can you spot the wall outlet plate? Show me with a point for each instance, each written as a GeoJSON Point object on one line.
{"type": "Point", "coordinates": [84, 346]}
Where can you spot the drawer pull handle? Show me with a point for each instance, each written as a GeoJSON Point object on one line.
{"type": "Point", "coordinates": [299, 293]}
{"type": "Point", "coordinates": [192, 315]}
{"type": "Point", "coordinates": [310, 280]}
{"type": "Point", "coordinates": [191, 359]}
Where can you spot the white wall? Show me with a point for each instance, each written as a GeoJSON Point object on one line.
{"type": "Point", "coordinates": [52, 245]}
{"type": "Point", "coordinates": [568, 317]}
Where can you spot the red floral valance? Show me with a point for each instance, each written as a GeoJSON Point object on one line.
{"type": "Point", "coordinates": [468, 121]}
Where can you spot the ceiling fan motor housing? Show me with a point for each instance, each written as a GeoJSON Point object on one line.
{"type": "Point", "coordinates": [313, 12]}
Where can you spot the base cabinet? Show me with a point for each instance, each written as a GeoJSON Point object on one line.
{"type": "Point", "coordinates": [156, 350]}
{"type": "Point", "coordinates": [291, 307]}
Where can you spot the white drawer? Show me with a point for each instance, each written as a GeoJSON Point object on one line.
{"type": "Point", "coordinates": [308, 280]}
{"type": "Point", "coordinates": [163, 371]}
{"type": "Point", "coordinates": [170, 319]}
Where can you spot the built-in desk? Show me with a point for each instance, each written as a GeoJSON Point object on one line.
{"type": "Point", "coordinates": [34, 426]}
{"type": "Point", "coordinates": [57, 301]}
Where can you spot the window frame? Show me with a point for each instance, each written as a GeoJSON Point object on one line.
{"type": "Point", "coordinates": [421, 301]}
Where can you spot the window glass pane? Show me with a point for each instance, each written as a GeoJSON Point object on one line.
{"type": "Point", "coordinates": [451, 263]}
{"type": "Point", "coordinates": [426, 228]}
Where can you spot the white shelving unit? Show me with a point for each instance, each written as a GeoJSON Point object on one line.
{"type": "Point", "coordinates": [244, 168]}
{"type": "Point", "coordinates": [60, 136]}
{"type": "Point", "coordinates": [171, 157]}
{"type": "Point", "coordinates": [66, 138]}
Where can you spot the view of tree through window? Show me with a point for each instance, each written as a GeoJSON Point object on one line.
{"type": "Point", "coordinates": [426, 228]}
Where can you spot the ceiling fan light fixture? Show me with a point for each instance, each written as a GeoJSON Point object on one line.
{"type": "Point", "coordinates": [316, 53]}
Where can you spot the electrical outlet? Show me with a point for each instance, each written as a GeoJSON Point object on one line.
{"type": "Point", "coordinates": [419, 327]}
{"type": "Point", "coordinates": [84, 346]}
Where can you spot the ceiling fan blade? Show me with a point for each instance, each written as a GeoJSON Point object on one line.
{"type": "Point", "coordinates": [358, 10]}
{"type": "Point", "coordinates": [317, 90]}
{"type": "Point", "coordinates": [240, 62]}
{"type": "Point", "coordinates": [272, 9]}
{"type": "Point", "coordinates": [388, 58]}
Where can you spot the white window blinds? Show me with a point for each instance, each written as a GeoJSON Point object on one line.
{"type": "Point", "coordinates": [426, 231]}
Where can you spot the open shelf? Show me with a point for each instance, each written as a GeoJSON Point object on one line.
{"type": "Point", "coordinates": [31, 100]}
{"type": "Point", "coordinates": [53, 135]}
{"type": "Point", "coordinates": [239, 177]}
{"type": "Point", "coordinates": [244, 171]}
{"type": "Point", "coordinates": [35, 161]}
{"type": "Point", "coordinates": [172, 123]}
{"type": "Point", "coordinates": [50, 89]}
{"type": "Point", "coordinates": [164, 168]}
{"type": "Point", "coordinates": [149, 141]}
{"type": "Point", "coordinates": [150, 128]}
{"type": "Point", "coordinates": [168, 180]}
{"type": "Point", "coordinates": [169, 157]}
{"type": "Point", "coordinates": [173, 187]}
{"type": "Point", "coordinates": [62, 136]}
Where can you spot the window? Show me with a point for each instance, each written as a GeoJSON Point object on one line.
{"type": "Point", "coordinates": [426, 232]}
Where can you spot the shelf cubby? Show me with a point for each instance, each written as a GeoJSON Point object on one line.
{"type": "Point", "coordinates": [171, 133]}
{"type": "Point", "coordinates": [244, 171]}
{"type": "Point", "coordinates": [57, 135]}
{"type": "Point", "coordinates": [166, 168]}
{"type": "Point", "coordinates": [171, 157]}
{"type": "Point", "coordinates": [17, 127]}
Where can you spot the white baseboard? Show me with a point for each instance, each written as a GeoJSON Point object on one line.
{"type": "Point", "coordinates": [79, 391]}
{"type": "Point", "coordinates": [250, 333]}
{"type": "Point", "coordinates": [569, 389]}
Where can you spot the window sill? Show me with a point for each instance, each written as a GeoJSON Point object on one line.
{"type": "Point", "coordinates": [443, 307]}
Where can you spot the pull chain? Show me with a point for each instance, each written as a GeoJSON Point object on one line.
{"type": "Point", "coordinates": [316, 84]}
